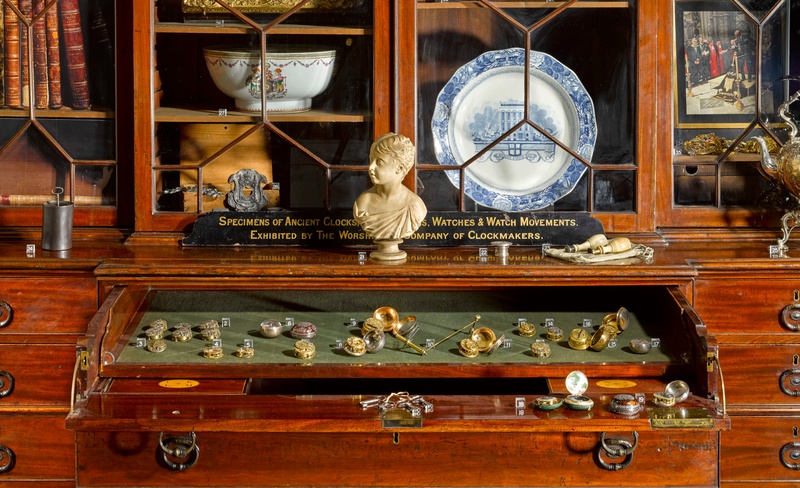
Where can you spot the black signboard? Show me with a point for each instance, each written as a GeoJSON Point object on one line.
{"type": "Point", "coordinates": [439, 229]}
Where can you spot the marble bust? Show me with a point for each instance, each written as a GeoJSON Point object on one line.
{"type": "Point", "coordinates": [389, 212]}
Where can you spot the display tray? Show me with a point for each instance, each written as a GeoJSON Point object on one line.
{"type": "Point", "coordinates": [439, 313]}
{"type": "Point", "coordinates": [466, 410]}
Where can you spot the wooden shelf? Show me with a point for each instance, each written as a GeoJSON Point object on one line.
{"type": "Point", "coordinates": [191, 115]}
{"type": "Point", "coordinates": [62, 113]}
{"type": "Point", "coordinates": [712, 159]}
{"type": "Point", "coordinates": [512, 4]}
{"type": "Point", "coordinates": [238, 28]}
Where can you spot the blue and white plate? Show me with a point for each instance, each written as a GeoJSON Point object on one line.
{"type": "Point", "coordinates": [525, 170]}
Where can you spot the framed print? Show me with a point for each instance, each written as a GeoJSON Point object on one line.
{"type": "Point", "coordinates": [715, 63]}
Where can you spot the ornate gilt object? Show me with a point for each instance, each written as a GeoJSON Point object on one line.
{"type": "Point", "coordinates": [264, 6]}
{"type": "Point", "coordinates": [784, 169]}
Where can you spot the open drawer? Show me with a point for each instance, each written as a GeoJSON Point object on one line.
{"type": "Point", "coordinates": [279, 420]}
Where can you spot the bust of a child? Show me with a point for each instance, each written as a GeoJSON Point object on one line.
{"type": "Point", "coordinates": [389, 212]}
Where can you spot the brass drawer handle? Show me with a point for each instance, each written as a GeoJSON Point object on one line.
{"type": "Point", "coordinates": [793, 375]}
{"type": "Point", "coordinates": [7, 465]}
{"type": "Point", "coordinates": [6, 390]}
{"type": "Point", "coordinates": [790, 317]}
{"type": "Point", "coordinates": [182, 449]}
{"type": "Point", "coordinates": [616, 448]}
{"type": "Point", "coordinates": [793, 449]}
{"type": "Point", "coordinates": [6, 314]}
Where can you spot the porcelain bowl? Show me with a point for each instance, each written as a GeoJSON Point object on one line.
{"type": "Point", "coordinates": [293, 75]}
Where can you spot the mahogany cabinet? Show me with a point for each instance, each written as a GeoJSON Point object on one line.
{"type": "Point", "coordinates": [42, 315]}
{"type": "Point", "coordinates": [749, 306]}
{"type": "Point", "coordinates": [155, 151]}
{"type": "Point", "coordinates": [277, 420]}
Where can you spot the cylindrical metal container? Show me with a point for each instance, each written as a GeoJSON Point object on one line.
{"type": "Point", "coordinates": [57, 223]}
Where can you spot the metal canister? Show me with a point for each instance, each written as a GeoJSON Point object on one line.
{"type": "Point", "coordinates": [57, 223]}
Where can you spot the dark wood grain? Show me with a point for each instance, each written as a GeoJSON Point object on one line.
{"type": "Point", "coordinates": [42, 374]}
{"type": "Point", "coordinates": [57, 307]}
{"type": "Point", "coordinates": [752, 374]}
{"type": "Point", "coordinates": [45, 451]}
{"type": "Point", "coordinates": [410, 459]}
{"type": "Point", "coordinates": [750, 452]}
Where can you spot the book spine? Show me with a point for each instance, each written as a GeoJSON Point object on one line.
{"type": "Point", "coordinates": [53, 57]}
{"type": "Point", "coordinates": [25, 7]}
{"type": "Point", "coordinates": [11, 74]}
{"type": "Point", "coordinates": [100, 51]}
{"type": "Point", "coordinates": [40, 78]}
{"type": "Point", "coordinates": [74, 50]}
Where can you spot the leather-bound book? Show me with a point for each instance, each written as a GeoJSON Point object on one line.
{"type": "Point", "coordinates": [11, 74]}
{"type": "Point", "coordinates": [40, 78]}
{"type": "Point", "coordinates": [74, 51]}
{"type": "Point", "coordinates": [100, 53]}
{"type": "Point", "coordinates": [53, 57]}
{"type": "Point", "coordinates": [25, 8]}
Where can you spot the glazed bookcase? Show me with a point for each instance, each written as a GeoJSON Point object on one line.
{"type": "Point", "coordinates": [190, 135]}
{"type": "Point", "coordinates": [59, 113]}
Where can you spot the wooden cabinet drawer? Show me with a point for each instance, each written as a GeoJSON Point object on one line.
{"type": "Point", "coordinates": [748, 307]}
{"type": "Point", "coordinates": [753, 374]}
{"type": "Point", "coordinates": [50, 306]}
{"type": "Point", "coordinates": [42, 449]}
{"type": "Point", "coordinates": [407, 458]}
{"type": "Point", "coordinates": [41, 374]}
{"type": "Point", "coordinates": [752, 449]}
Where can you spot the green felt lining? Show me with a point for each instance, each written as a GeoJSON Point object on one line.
{"type": "Point", "coordinates": [439, 313]}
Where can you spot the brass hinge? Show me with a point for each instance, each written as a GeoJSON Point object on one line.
{"type": "Point", "coordinates": [710, 357]}
{"type": "Point", "coordinates": [83, 360]}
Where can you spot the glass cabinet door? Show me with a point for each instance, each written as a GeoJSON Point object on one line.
{"type": "Point", "coordinates": [322, 67]}
{"type": "Point", "coordinates": [734, 63]}
{"type": "Point", "coordinates": [58, 115]}
{"type": "Point", "coordinates": [528, 106]}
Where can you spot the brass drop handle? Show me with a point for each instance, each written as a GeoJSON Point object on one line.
{"type": "Point", "coordinates": [7, 384]}
{"type": "Point", "coordinates": [6, 313]}
{"type": "Point", "coordinates": [793, 375]}
{"type": "Point", "coordinates": [7, 465]}
{"type": "Point", "coordinates": [790, 317]}
{"type": "Point", "coordinates": [184, 449]}
{"type": "Point", "coordinates": [614, 448]}
{"type": "Point", "coordinates": [793, 451]}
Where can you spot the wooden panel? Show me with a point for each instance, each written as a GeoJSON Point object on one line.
{"type": "Point", "coordinates": [49, 306]}
{"type": "Point", "coordinates": [43, 449]}
{"type": "Point", "coordinates": [42, 374]}
{"type": "Point", "coordinates": [413, 458]}
{"type": "Point", "coordinates": [751, 450]}
{"type": "Point", "coordinates": [752, 374]}
{"type": "Point", "coordinates": [745, 307]}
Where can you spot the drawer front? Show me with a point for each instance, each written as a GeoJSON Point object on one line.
{"type": "Point", "coordinates": [752, 307]}
{"type": "Point", "coordinates": [46, 306]}
{"type": "Point", "coordinates": [40, 447]}
{"type": "Point", "coordinates": [763, 374]}
{"type": "Point", "coordinates": [35, 375]}
{"type": "Point", "coordinates": [409, 459]}
{"type": "Point", "coordinates": [761, 449]}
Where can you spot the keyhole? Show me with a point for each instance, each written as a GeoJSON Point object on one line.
{"type": "Point", "coordinates": [796, 359]}
{"type": "Point", "coordinates": [794, 431]}
{"type": "Point", "coordinates": [797, 295]}
{"type": "Point", "coordinates": [396, 437]}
